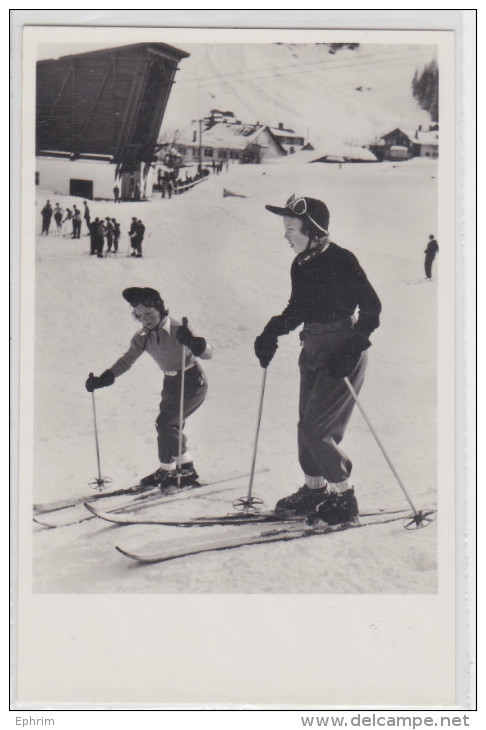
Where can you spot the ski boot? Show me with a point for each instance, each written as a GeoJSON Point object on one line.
{"type": "Point", "coordinates": [336, 508]}
{"type": "Point", "coordinates": [301, 503]}
{"type": "Point", "coordinates": [160, 478]}
{"type": "Point", "coordinates": [188, 476]}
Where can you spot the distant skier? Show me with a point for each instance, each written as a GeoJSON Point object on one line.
{"type": "Point", "coordinates": [139, 237]}
{"type": "Point", "coordinates": [116, 193]}
{"type": "Point", "coordinates": [328, 284]}
{"type": "Point", "coordinates": [86, 215]}
{"type": "Point", "coordinates": [46, 214]}
{"type": "Point", "coordinates": [93, 236]}
{"type": "Point", "coordinates": [100, 237]}
{"type": "Point", "coordinates": [132, 234]}
{"type": "Point", "coordinates": [163, 338]}
{"type": "Point", "coordinates": [108, 226]}
{"type": "Point", "coordinates": [430, 254]}
{"type": "Point", "coordinates": [58, 212]}
{"type": "Point", "coordinates": [76, 222]}
{"type": "Point", "coordinates": [68, 219]}
{"type": "Point", "coordinates": [116, 234]}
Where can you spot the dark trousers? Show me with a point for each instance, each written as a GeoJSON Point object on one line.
{"type": "Point", "coordinates": [167, 423]}
{"type": "Point", "coordinates": [325, 406]}
{"type": "Point", "coordinates": [428, 266]}
{"type": "Point", "coordinates": [46, 222]}
{"type": "Point", "coordinates": [76, 229]}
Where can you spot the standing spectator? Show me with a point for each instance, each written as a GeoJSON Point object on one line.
{"type": "Point", "coordinates": [169, 188]}
{"type": "Point", "coordinates": [328, 285]}
{"type": "Point", "coordinates": [108, 234]}
{"type": "Point", "coordinates": [58, 211]}
{"type": "Point", "coordinates": [116, 234]}
{"type": "Point", "coordinates": [76, 222]}
{"type": "Point", "coordinates": [132, 234]}
{"type": "Point", "coordinates": [86, 215]}
{"type": "Point", "coordinates": [93, 232]}
{"type": "Point", "coordinates": [430, 254]}
{"type": "Point", "coordinates": [100, 238]}
{"type": "Point", "coordinates": [68, 219]}
{"type": "Point", "coordinates": [46, 214]}
{"type": "Point", "coordinates": [141, 233]}
{"type": "Point", "coordinates": [116, 193]}
{"type": "Point", "coordinates": [136, 192]}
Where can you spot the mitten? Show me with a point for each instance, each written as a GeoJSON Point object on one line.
{"type": "Point", "coordinates": [197, 345]}
{"type": "Point", "coordinates": [94, 382]}
{"type": "Point", "coordinates": [265, 348]}
{"type": "Point", "coordinates": [343, 361]}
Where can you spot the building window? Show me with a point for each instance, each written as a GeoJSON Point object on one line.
{"type": "Point", "coordinates": [234, 155]}
{"type": "Point", "coordinates": [222, 154]}
{"type": "Point", "coordinates": [195, 152]}
{"type": "Point", "coordinates": [208, 152]}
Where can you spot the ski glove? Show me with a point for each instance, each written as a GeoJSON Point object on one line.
{"type": "Point", "coordinates": [197, 345]}
{"type": "Point", "coordinates": [344, 360]}
{"type": "Point", "coordinates": [94, 382]}
{"type": "Point", "coordinates": [265, 348]}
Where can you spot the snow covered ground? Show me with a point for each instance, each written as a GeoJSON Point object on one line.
{"type": "Point", "coordinates": [223, 263]}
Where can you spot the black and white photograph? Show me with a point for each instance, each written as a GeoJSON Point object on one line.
{"type": "Point", "coordinates": [238, 267]}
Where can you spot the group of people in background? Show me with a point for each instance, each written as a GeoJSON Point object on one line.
{"type": "Point", "coordinates": [68, 221]}
{"type": "Point", "coordinates": [104, 229]}
{"type": "Point", "coordinates": [171, 183]}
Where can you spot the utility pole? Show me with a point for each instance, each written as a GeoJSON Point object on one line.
{"type": "Point", "coordinates": [200, 144]}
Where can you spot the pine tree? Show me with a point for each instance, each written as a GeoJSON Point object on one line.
{"type": "Point", "coordinates": [425, 88]}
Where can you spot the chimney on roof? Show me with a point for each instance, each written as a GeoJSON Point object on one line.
{"type": "Point", "coordinates": [280, 125]}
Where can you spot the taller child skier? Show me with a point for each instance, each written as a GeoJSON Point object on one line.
{"type": "Point", "coordinates": [328, 285]}
{"type": "Point", "coordinates": [164, 339]}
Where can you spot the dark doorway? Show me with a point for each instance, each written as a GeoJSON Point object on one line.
{"type": "Point", "coordinates": [81, 188]}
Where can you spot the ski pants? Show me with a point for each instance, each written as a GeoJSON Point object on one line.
{"type": "Point", "coordinates": [46, 222]}
{"type": "Point", "coordinates": [325, 403]}
{"type": "Point", "coordinates": [428, 266]}
{"type": "Point", "coordinates": [167, 423]}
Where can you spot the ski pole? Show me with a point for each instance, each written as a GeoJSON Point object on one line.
{"type": "Point", "coordinates": [251, 502]}
{"type": "Point", "coordinates": [181, 410]}
{"type": "Point", "coordinates": [419, 518]}
{"type": "Point", "coordinates": [99, 481]}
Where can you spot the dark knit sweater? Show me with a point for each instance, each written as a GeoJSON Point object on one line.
{"type": "Point", "coordinates": [327, 286]}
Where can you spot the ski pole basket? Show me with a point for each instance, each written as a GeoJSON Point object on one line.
{"type": "Point", "coordinates": [419, 519]}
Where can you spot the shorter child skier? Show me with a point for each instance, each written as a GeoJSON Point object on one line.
{"type": "Point", "coordinates": [164, 338]}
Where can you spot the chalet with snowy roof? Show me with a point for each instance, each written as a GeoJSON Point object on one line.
{"type": "Point", "coordinates": [402, 144]}
{"type": "Point", "coordinates": [289, 140]}
{"type": "Point", "coordinates": [234, 141]}
{"type": "Point", "coordinates": [345, 153]}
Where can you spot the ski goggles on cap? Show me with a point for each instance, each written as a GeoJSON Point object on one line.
{"type": "Point", "coordinates": [299, 206]}
{"type": "Point", "coordinates": [315, 211]}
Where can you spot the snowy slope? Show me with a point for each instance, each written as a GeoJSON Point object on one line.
{"type": "Point", "coordinates": [349, 97]}
{"type": "Point", "coordinates": [224, 264]}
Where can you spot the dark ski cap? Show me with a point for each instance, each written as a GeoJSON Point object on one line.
{"type": "Point", "coordinates": [135, 295]}
{"type": "Point", "coordinates": [314, 211]}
